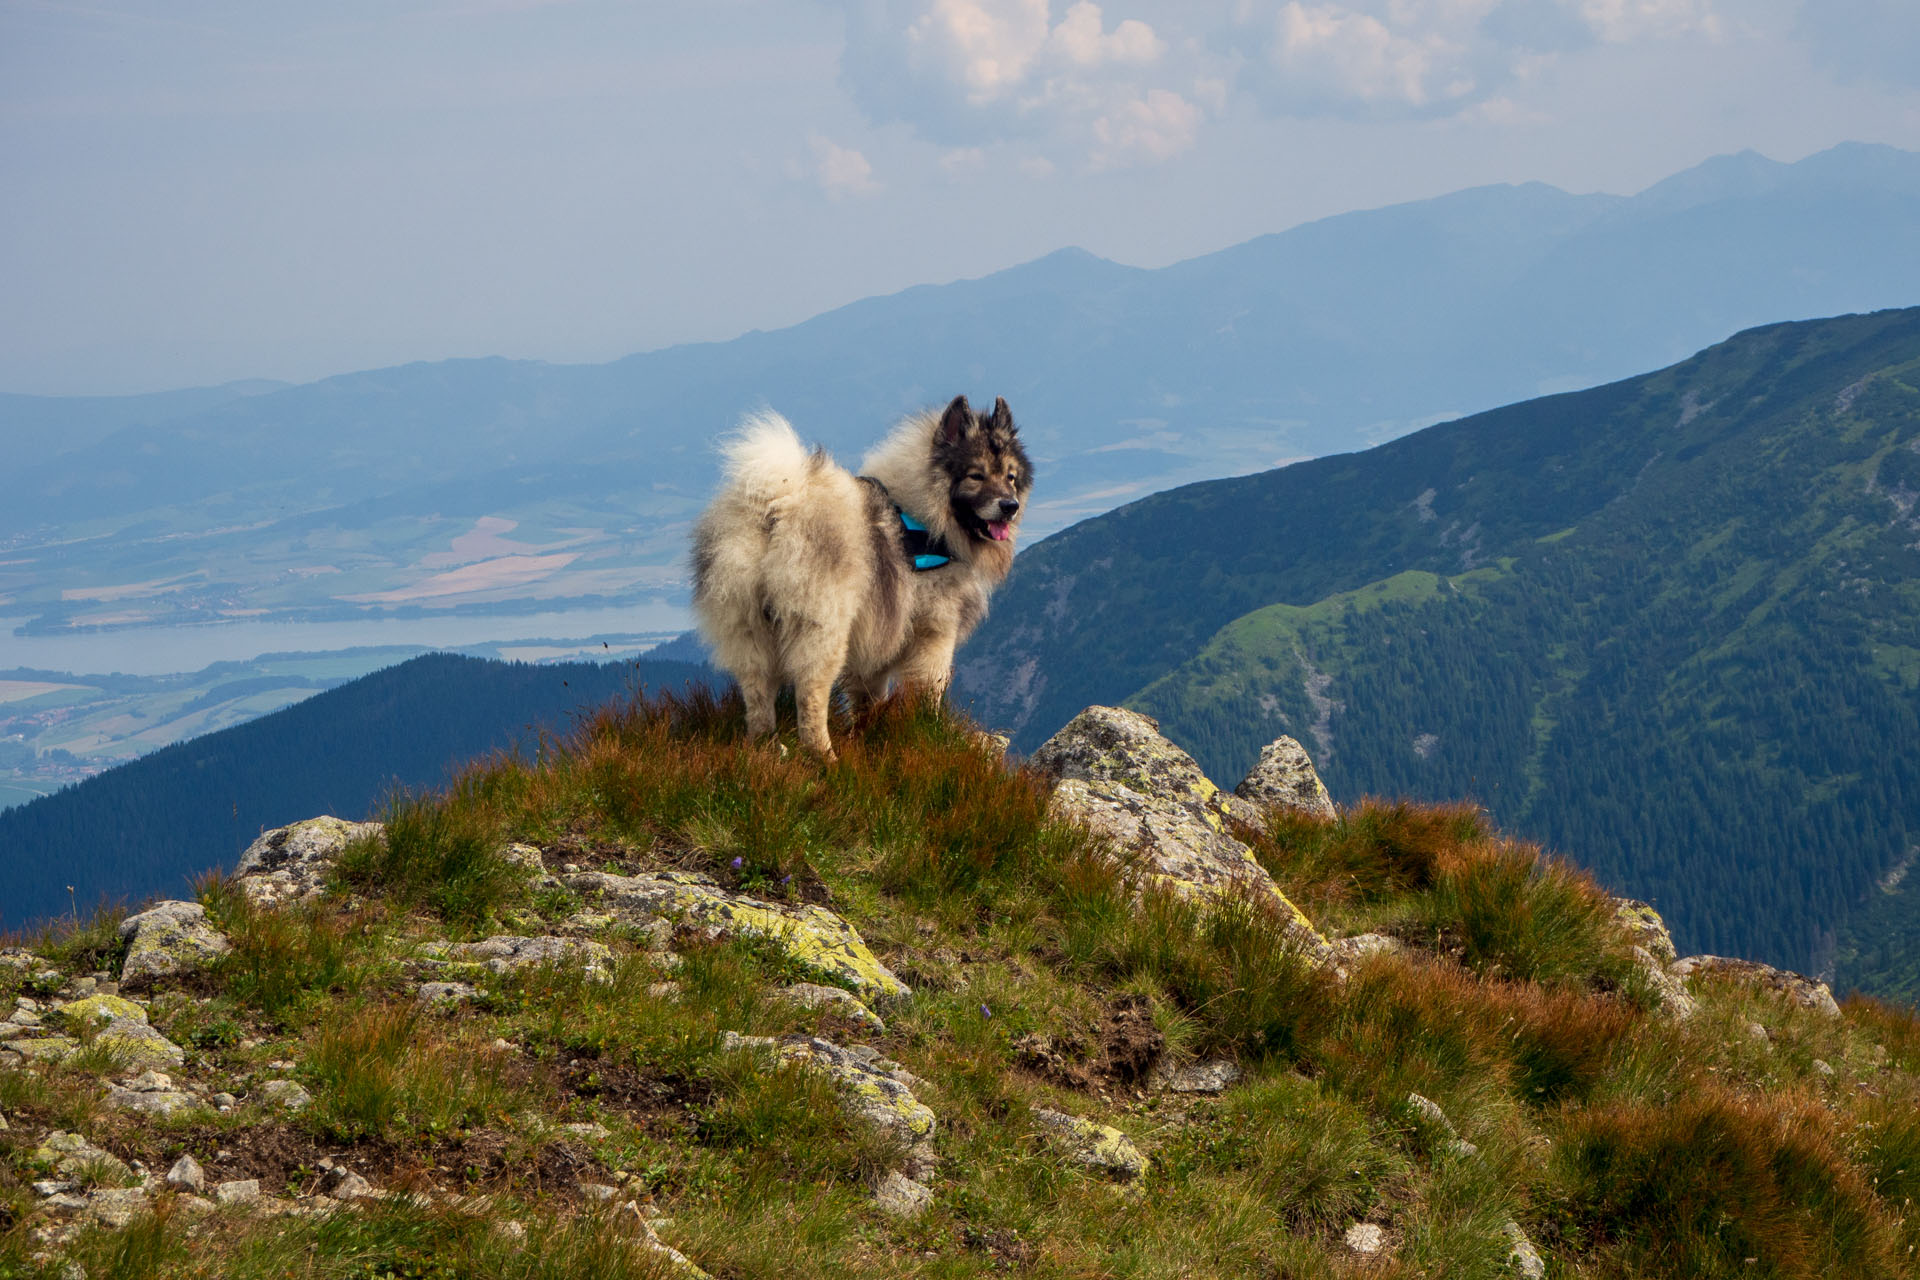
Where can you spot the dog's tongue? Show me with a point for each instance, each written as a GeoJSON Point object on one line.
{"type": "Point", "coordinates": [997, 530]}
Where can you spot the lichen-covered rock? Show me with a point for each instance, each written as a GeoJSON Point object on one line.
{"type": "Point", "coordinates": [812, 995]}
{"type": "Point", "coordinates": [151, 1093]}
{"type": "Point", "coordinates": [288, 1095]}
{"type": "Point", "coordinates": [1284, 777]}
{"type": "Point", "coordinates": [97, 1010]}
{"type": "Point", "coordinates": [1808, 993]}
{"type": "Point", "coordinates": [1644, 925]}
{"type": "Point", "coordinates": [504, 953]}
{"type": "Point", "coordinates": [292, 863]}
{"type": "Point", "coordinates": [74, 1156]}
{"type": "Point", "coordinates": [1348, 952]}
{"type": "Point", "coordinates": [1521, 1255]}
{"type": "Point", "coordinates": [811, 934]}
{"type": "Point", "coordinates": [138, 1045]}
{"type": "Point", "coordinates": [168, 938]}
{"type": "Point", "coordinates": [1098, 1146]}
{"type": "Point", "coordinates": [115, 1207]}
{"type": "Point", "coordinates": [187, 1175]}
{"type": "Point", "coordinates": [1121, 779]}
{"type": "Point", "coordinates": [1428, 1112]}
{"type": "Point", "coordinates": [874, 1092]}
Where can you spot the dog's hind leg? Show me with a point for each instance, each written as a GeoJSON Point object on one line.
{"type": "Point", "coordinates": [814, 658]}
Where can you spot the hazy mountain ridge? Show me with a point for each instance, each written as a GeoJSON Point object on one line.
{"type": "Point", "coordinates": [1665, 625]}
{"type": "Point", "coordinates": [331, 498]}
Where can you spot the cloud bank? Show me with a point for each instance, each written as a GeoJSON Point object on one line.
{"type": "Point", "coordinates": [1134, 82]}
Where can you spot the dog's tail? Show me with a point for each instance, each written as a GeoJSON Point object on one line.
{"type": "Point", "coordinates": [765, 459]}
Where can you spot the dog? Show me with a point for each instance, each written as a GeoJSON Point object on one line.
{"type": "Point", "coordinates": [806, 574]}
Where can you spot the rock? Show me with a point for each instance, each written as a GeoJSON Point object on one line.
{"type": "Point", "coordinates": [44, 1048]}
{"type": "Point", "coordinates": [899, 1196]}
{"type": "Point", "coordinates": [1522, 1256]}
{"type": "Point", "coordinates": [1676, 1001]}
{"type": "Point", "coordinates": [1121, 779]}
{"type": "Point", "coordinates": [844, 1003]}
{"type": "Point", "coordinates": [1284, 778]}
{"type": "Point", "coordinates": [1644, 925]}
{"type": "Point", "coordinates": [1366, 1238]}
{"type": "Point", "coordinates": [598, 1191]}
{"type": "Point", "coordinates": [224, 1101]}
{"type": "Point", "coordinates": [288, 1095]}
{"type": "Point", "coordinates": [1757, 1031]}
{"type": "Point", "coordinates": [239, 1191]}
{"type": "Point", "coordinates": [73, 1155]}
{"type": "Point", "coordinates": [1198, 1077]}
{"type": "Point", "coordinates": [1427, 1110]}
{"type": "Point", "coordinates": [139, 1045]}
{"type": "Point", "coordinates": [187, 1175]}
{"type": "Point", "coordinates": [293, 863]}
{"type": "Point", "coordinates": [591, 1129]}
{"type": "Point", "coordinates": [524, 855]}
{"type": "Point", "coordinates": [153, 1102]}
{"type": "Point", "coordinates": [151, 1082]}
{"type": "Point", "coordinates": [455, 992]}
{"type": "Point", "coordinates": [1806, 992]}
{"type": "Point", "coordinates": [869, 1083]}
{"type": "Point", "coordinates": [1819, 1068]}
{"type": "Point", "coordinates": [810, 934]}
{"type": "Point", "coordinates": [504, 953]}
{"type": "Point", "coordinates": [115, 1207]}
{"type": "Point", "coordinates": [98, 1010]}
{"type": "Point", "coordinates": [1095, 1145]}
{"type": "Point", "coordinates": [348, 1185]}
{"type": "Point", "coordinates": [1348, 952]}
{"type": "Point", "coordinates": [168, 938]}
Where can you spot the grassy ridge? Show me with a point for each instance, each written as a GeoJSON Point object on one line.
{"type": "Point", "coordinates": [1627, 1145]}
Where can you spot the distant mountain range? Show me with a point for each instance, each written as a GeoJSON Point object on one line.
{"type": "Point", "coordinates": [506, 485]}
{"type": "Point", "coordinates": [148, 826]}
{"type": "Point", "coordinates": [1669, 626]}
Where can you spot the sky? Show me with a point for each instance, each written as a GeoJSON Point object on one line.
{"type": "Point", "coordinates": [196, 191]}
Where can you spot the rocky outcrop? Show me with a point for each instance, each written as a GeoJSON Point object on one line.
{"type": "Point", "coordinates": [1808, 993]}
{"type": "Point", "coordinates": [293, 863]}
{"type": "Point", "coordinates": [1284, 778]}
{"type": "Point", "coordinates": [504, 953]}
{"type": "Point", "coordinates": [166, 939]}
{"type": "Point", "coordinates": [1117, 776]}
{"type": "Point", "coordinates": [811, 934]}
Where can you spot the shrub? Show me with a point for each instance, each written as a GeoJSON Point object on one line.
{"type": "Point", "coordinates": [1517, 914]}
{"type": "Point", "coordinates": [380, 1073]}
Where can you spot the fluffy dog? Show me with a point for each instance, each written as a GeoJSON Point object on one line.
{"type": "Point", "coordinates": [808, 575]}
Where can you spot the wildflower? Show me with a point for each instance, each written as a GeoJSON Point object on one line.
{"type": "Point", "coordinates": [737, 863]}
{"type": "Point", "coordinates": [985, 1012]}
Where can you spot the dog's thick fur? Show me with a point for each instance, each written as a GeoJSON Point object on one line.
{"type": "Point", "coordinates": [800, 573]}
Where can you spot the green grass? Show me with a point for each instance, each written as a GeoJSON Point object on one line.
{"type": "Point", "coordinates": [1628, 1145]}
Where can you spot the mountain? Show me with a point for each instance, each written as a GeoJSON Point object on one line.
{"type": "Point", "coordinates": [1666, 625]}
{"type": "Point", "coordinates": [150, 825]}
{"type": "Point", "coordinates": [499, 484]}
{"type": "Point", "coordinates": [663, 1004]}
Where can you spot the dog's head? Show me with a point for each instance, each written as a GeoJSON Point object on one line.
{"type": "Point", "coordinates": [988, 474]}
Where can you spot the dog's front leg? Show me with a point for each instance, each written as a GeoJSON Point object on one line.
{"type": "Point", "coordinates": [928, 665]}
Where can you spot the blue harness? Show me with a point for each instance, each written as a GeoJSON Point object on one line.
{"type": "Point", "coordinates": [924, 551]}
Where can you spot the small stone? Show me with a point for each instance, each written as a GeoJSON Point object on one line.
{"type": "Point", "coordinates": [587, 1129]}
{"type": "Point", "coordinates": [1095, 1145]}
{"type": "Point", "coordinates": [280, 1064]}
{"type": "Point", "coordinates": [138, 1044]}
{"type": "Point", "coordinates": [1819, 1067]}
{"type": "Point", "coordinates": [115, 1207]}
{"type": "Point", "coordinates": [844, 1003]}
{"type": "Point", "coordinates": [598, 1191]}
{"type": "Point", "coordinates": [285, 1094]}
{"type": "Point", "coordinates": [348, 1185]}
{"type": "Point", "coordinates": [52, 1187]}
{"type": "Point", "coordinates": [1200, 1077]}
{"type": "Point", "coordinates": [166, 939]}
{"type": "Point", "coordinates": [663, 990]}
{"type": "Point", "coordinates": [899, 1196]}
{"type": "Point", "coordinates": [151, 1082]}
{"type": "Point", "coordinates": [187, 1175]}
{"type": "Point", "coordinates": [1525, 1258]}
{"type": "Point", "coordinates": [1756, 1031]}
{"type": "Point", "coordinates": [1366, 1238]}
{"type": "Point", "coordinates": [100, 1010]}
{"type": "Point", "coordinates": [523, 855]}
{"type": "Point", "coordinates": [224, 1101]}
{"type": "Point", "coordinates": [452, 992]}
{"type": "Point", "coordinates": [239, 1191]}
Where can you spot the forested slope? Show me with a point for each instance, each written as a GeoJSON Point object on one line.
{"type": "Point", "coordinates": [1667, 626]}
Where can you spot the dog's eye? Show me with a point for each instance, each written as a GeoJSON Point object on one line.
{"type": "Point", "coordinates": [976, 475]}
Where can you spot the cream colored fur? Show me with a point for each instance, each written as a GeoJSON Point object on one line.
{"type": "Point", "coordinates": [797, 581]}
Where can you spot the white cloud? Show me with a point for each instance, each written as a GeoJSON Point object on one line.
{"type": "Point", "coordinates": [1156, 127]}
{"type": "Point", "coordinates": [963, 161]}
{"type": "Point", "coordinates": [967, 72]}
{"type": "Point", "coordinates": [840, 171]}
{"type": "Point", "coordinates": [1135, 81]}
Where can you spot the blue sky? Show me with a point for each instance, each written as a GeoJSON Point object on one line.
{"type": "Point", "coordinates": [194, 191]}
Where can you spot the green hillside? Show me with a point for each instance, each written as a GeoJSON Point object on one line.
{"type": "Point", "coordinates": [1670, 626]}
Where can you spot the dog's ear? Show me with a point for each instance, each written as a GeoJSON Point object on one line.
{"type": "Point", "coordinates": [956, 421]}
{"type": "Point", "coordinates": [1002, 419]}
